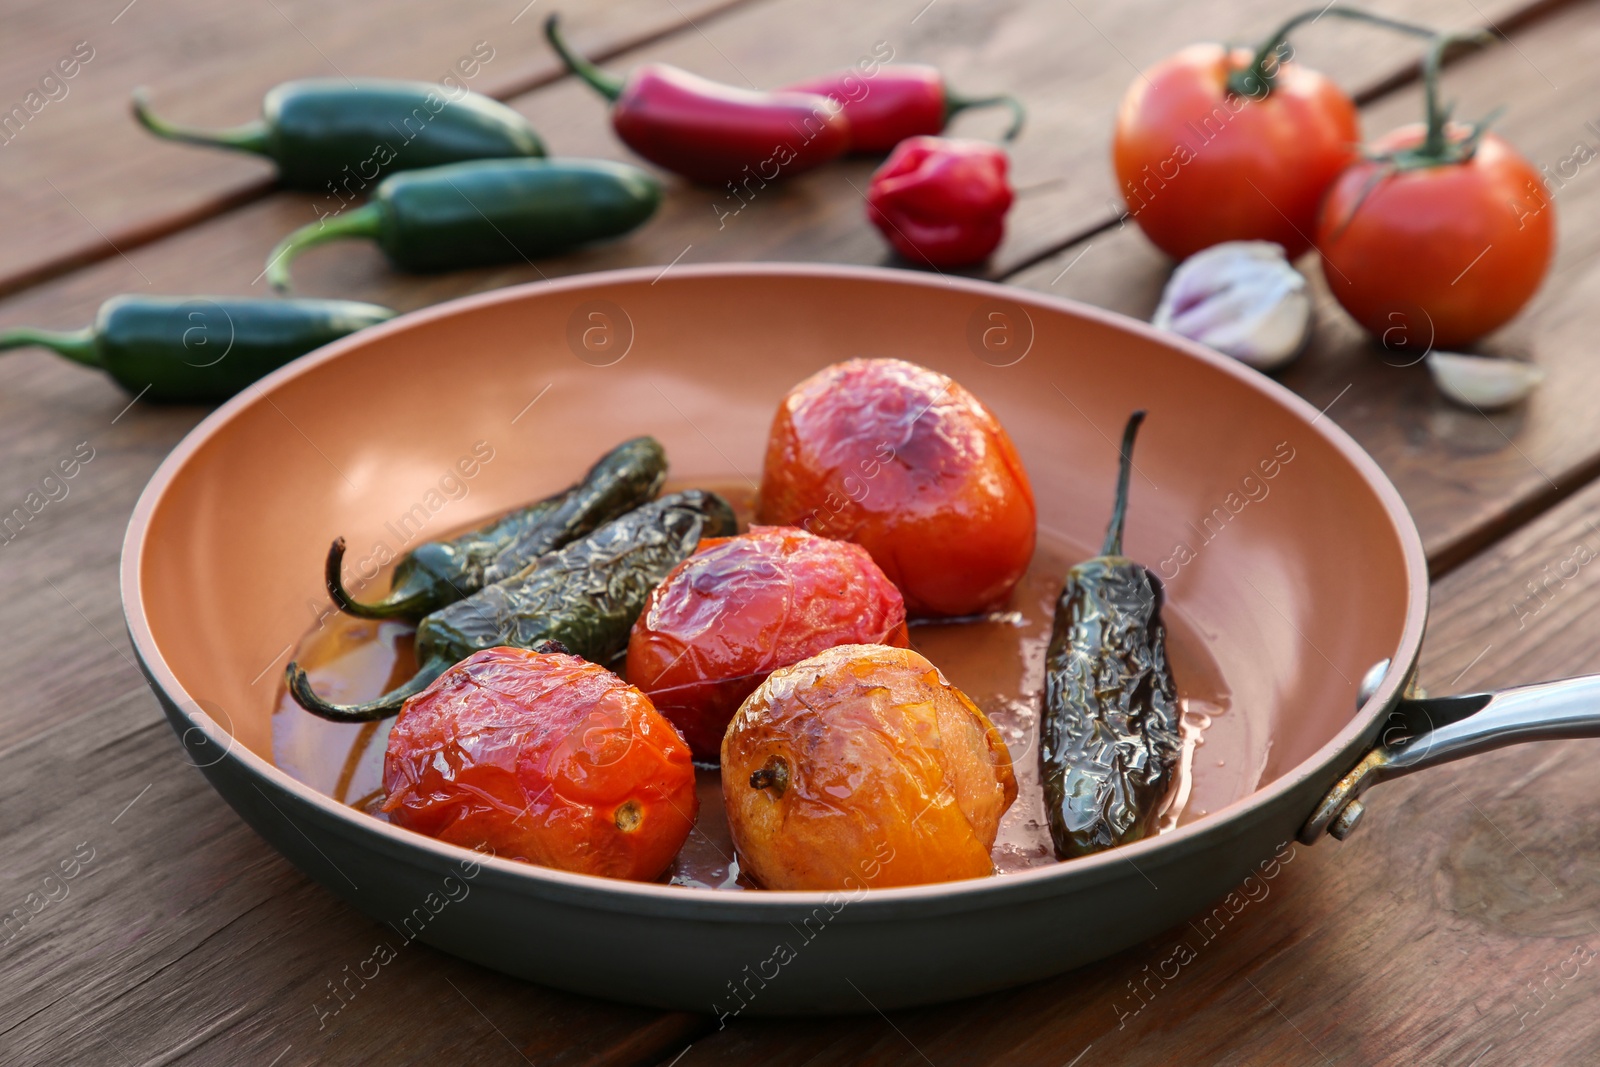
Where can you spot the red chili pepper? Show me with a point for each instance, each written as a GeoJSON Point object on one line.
{"type": "Point", "coordinates": [710, 132]}
{"type": "Point", "coordinates": [909, 100]}
{"type": "Point", "coordinates": [941, 201]}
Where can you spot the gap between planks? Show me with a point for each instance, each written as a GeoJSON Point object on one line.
{"type": "Point", "coordinates": [150, 230]}
{"type": "Point", "coordinates": [1519, 19]}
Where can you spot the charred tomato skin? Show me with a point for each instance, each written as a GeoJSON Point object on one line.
{"type": "Point", "coordinates": [862, 767]}
{"type": "Point", "coordinates": [907, 463]}
{"type": "Point", "coordinates": [740, 608]}
{"type": "Point", "coordinates": [542, 757]}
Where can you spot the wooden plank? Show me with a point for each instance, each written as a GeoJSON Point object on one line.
{"type": "Point", "coordinates": [1457, 926]}
{"type": "Point", "coordinates": [1094, 50]}
{"type": "Point", "coordinates": [1466, 476]}
{"type": "Point", "coordinates": [193, 910]}
{"type": "Point", "coordinates": [81, 179]}
{"type": "Point", "coordinates": [181, 936]}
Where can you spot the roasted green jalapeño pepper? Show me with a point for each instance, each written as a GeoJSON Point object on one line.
{"type": "Point", "coordinates": [491, 211]}
{"type": "Point", "coordinates": [1109, 730]}
{"type": "Point", "coordinates": [334, 134]}
{"type": "Point", "coordinates": [585, 596]}
{"type": "Point", "coordinates": [438, 573]}
{"type": "Point", "coordinates": [199, 349]}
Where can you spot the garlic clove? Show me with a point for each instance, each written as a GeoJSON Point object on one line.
{"type": "Point", "coordinates": [1241, 298]}
{"type": "Point", "coordinates": [1483, 382]}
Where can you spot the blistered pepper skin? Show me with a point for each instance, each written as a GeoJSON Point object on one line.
{"type": "Point", "coordinates": [1109, 741]}
{"type": "Point", "coordinates": [907, 463]}
{"type": "Point", "coordinates": [585, 596]}
{"type": "Point", "coordinates": [862, 767]}
{"type": "Point", "coordinates": [545, 758]}
{"type": "Point", "coordinates": [740, 608]}
{"type": "Point", "coordinates": [439, 573]}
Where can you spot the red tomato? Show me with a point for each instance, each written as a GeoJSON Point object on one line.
{"type": "Point", "coordinates": [1437, 256]}
{"type": "Point", "coordinates": [1199, 164]}
{"type": "Point", "coordinates": [740, 608]}
{"type": "Point", "coordinates": [906, 463]}
{"type": "Point", "coordinates": [546, 758]}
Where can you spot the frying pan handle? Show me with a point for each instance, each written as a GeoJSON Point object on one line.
{"type": "Point", "coordinates": [1427, 732]}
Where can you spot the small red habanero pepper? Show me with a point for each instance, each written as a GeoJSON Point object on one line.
{"type": "Point", "coordinates": [941, 201]}
{"type": "Point", "coordinates": [895, 102]}
{"type": "Point", "coordinates": [710, 132]}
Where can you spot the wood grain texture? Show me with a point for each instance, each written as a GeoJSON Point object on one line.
{"type": "Point", "coordinates": [1459, 925]}
{"type": "Point", "coordinates": [64, 207]}
{"type": "Point", "coordinates": [188, 940]}
{"type": "Point", "coordinates": [79, 179]}
{"type": "Point", "coordinates": [1467, 476]}
{"type": "Point", "coordinates": [183, 937]}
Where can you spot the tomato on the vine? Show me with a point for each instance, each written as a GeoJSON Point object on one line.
{"type": "Point", "coordinates": [1199, 163]}
{"type": "Point", "coordinates": [1441, 235]}
{"type": "Point", "coordinates": [1217, 144]}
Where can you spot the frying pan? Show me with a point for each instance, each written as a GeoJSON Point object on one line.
{"type": "Point", "coordinates": [1306, 587]}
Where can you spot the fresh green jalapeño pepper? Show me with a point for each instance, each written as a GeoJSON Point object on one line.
{"type": "Point", "coordinates": [327, 132]}
{"type": "Point", "coordinates": [491, 211]}
{"type": "Point", "coordinates": [585, 596]}
{"type": "Point", "coordinates": [1109, 731]}
{"type": "Point", "coordinates": [439, 573]}
{"type": "Point", "coordinates": [199, 349]}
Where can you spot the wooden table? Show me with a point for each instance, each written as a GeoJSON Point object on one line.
{"type": "Point", "coordinates": [1457, 927]}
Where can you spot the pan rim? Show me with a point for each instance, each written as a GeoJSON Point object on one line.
{"type": "Point", "coordinates": [594, 891]}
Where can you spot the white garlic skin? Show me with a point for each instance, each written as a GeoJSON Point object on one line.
{"type": "Point", "coordinates": [1241, 298]}
{"type": "Point", "coordinates": [1483, 382]}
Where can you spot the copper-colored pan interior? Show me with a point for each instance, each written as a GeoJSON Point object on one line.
{"type": "Point", "coordinates": [1285, 568]}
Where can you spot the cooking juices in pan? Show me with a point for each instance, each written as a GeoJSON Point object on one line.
{"type": "Point", "coordinates": [847, 758]}
{"type": "Point", "coordinates": [997, 660]}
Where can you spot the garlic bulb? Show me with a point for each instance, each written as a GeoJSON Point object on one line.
{"type": "Point", "coordinates": [1241, 298]}
{"type": "Point", "coordinates": [1482, 382]}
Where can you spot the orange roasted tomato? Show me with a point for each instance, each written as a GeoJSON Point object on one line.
{"type": "Point", "coordinates": [542, 757]}
{"type": "Point", "coordinates": [1215, 144]}
{"type": "Point", "coordinates": [862, 767]}
{"type": "Point", "coordinates": [740, 608]}
{"type": "Point", "coordinates": [906, 463]}
{"type": "Point", "coordinates": [1434, 248]}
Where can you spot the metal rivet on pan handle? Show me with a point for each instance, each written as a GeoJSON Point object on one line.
{"type": "Point", "coordinates": [1424, 731]}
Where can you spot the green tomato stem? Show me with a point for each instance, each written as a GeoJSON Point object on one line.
{"type": "Point", "coordinates": [1256, 80]}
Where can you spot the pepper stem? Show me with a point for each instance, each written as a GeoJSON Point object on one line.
{"type": "Point", "coordinates": [78, 345]}
{"type": "Point", "coordinates": [251, 137]}
{"type": "Point", "coordinates": [1119, 511]}
{"type": "Point", "coordinates": [372, 710]}
{"type": "Point", "coordinates": [607, 84]}
{"type": "Point", "coordinates": [954, 103]}
{"type": "Point", "coordinates": [364, 221]}
{"type": "Point", "coordinates": [1255, 81]}
{"type": "Point", "coordinates": [408, 599]}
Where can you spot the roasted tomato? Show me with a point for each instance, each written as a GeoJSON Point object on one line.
{"type": "Point", "coordinates": [862, 767]}
{"type": "Point", "coordinates": [906, 463]}
{"type": "Point", "coordinates": [542, 757]}
{"type": "Point", "coordinates": [1213, 145]}
{"type": "Point", "coordinates": [1428, 250]}
{"type": "Point", "coordinates": [740, 608]}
